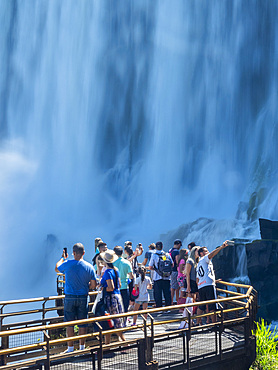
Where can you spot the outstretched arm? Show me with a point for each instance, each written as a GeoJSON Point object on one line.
{"type": "Point", "coordinates": [61, 260]}
{"type": "Point", "coordinates": [217, 250]}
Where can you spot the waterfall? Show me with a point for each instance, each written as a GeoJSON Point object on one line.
{"type": "Point", "coordinates": [125, 120]}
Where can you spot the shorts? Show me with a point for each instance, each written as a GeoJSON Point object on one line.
{"type": "Point", "coordinates": [208, 293]}
{"type": "Point", "coordinates": [181, 281]}
{"type": "Point", "coordinates": [174, 280]}
{"type": "Point", "coordinates": [130, 288]}
{"type": "Point", "coordinates": [140, 302]}
{"type": "Point", "coordinates": [76, 308]}
{"type": "Point", "coordinates": [193, 286]}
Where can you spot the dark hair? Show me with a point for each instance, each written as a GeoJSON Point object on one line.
{"type": "Point", "coordinates": [129, 250]}
{"type": "Point", "coordinates": [142, 272]}
{"type": "Point", "coordinates": [200, 250]}
{"type": "Point", "coordinates": [152, 246]}
{"type": "Point", "coordinates": [159, 246]}
{"type": "Point", "coordinates": [192, 245]}
{"type": "Point", "coordinates": [111, 266]}
{"type": "Point", "coordinates": [183, 255]}
{"type": "Point", "coordinates": [118, 250]}
{"type": "Point", "coordinates": [102, 244]}
{"type": "Point", "coordinates": [78, 248]}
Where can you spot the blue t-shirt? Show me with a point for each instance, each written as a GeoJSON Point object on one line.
{"type": "Point", "coordinates": [110, 274]}
{"type": "Point", "coordinates": [78, 275]}
{"type": "Point", "coordinates": [148, 255]}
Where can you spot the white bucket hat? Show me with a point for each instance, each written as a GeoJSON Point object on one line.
{"type": "Point", "coordinates": [109, 256]}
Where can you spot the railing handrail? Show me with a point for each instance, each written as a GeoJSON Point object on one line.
{"type": "Point", "coordinates": [233, 284]}
{"type": "Point", "coordinates": [241, 306]}
{"type": "Point", "coordinates": [104, 318]}
{"type": "Point", "coordinates": [38, 299]}
{"type": "Point", "coordinates": [111, 331]}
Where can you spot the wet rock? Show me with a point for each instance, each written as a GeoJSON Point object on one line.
{"type": "Point", "coordinates": [262, 267]}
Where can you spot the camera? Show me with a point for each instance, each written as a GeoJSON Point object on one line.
{"type": "Point", "coordinates": [230, 243]}
{"type": "Point", "coordinates": [66, 251]}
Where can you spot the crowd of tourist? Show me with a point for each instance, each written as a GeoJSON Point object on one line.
{"type": "Point", "coordinates": [125, 283]}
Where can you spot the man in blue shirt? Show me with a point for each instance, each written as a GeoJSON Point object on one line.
{"type": "Point", "coordinates": [79, 278]}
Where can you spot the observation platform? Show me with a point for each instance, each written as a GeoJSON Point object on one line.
{"type": "Point", "coordinates": [154, 343]}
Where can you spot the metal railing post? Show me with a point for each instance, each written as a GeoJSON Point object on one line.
{"type": "Point", "coordinates": [43, 311]}
{"type": "Point", "coordinates": [47, 338]}
{"type": "Point", "coordinates": [100, 351]}
{"type": "Point", "coordinates": [221, 329]}
{"type": "Point", "coordinates": [4, 340]}
{"type": "Point", "coordinates": [188, 337]}
{"type": "Point", "coordinates": [152, 329]}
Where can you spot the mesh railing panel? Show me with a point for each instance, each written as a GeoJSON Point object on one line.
{"type": "Point", "coordinates": [203, 343]}
{"type": "Point", "coordinates": [232, 339]}
{"type": "Point", "coordinates": [84, 363]}
{"type": "Point", "coordinates": [125, 359]}
{"type": "Point", "coordinates": [169, 351]}
{"type": "Point", "coordinates": [25, 339]}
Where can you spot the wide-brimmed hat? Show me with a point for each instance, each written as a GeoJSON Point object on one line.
{"type": "Point", "coordinates": [109, 256]}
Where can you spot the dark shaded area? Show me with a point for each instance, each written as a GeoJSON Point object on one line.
{"type": "Point", "coordinates": [262, 262]}
{"type": "Point", "coordinates": [268, 229]}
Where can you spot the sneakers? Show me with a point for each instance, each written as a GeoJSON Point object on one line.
{"type": "Point", "coordinates": [69, 350]}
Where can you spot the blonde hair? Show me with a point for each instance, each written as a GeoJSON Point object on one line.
{"type": "Point", "coordinates": [192, 258]}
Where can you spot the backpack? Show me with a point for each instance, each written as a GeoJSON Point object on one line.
{"type": "Point", "coordinates": [164, 268]}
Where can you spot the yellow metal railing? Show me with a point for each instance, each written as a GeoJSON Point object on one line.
{"type": "Point", "coordinates": [243, 305]}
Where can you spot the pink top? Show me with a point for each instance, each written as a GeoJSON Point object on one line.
{"type": "Point", "coordinates": [180, 274]}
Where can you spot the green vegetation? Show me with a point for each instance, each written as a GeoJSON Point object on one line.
{"type": "Point", "coordinates": [267, 345]}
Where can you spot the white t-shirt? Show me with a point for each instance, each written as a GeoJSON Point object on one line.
{"type": "Point", "coordinates": [143, 291]}
{"type": "Point", "coordinates": [205, 272]}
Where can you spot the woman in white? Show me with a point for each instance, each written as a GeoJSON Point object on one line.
{"type": "Point", "coordinates": [142, 282]}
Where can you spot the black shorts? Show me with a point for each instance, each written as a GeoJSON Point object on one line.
{"type": "Point", "coordinates": [193, 286]}
{"type": "Point", "coordinates": [130, 288]}
{"type": "Point", "coordinates": [208, 293]}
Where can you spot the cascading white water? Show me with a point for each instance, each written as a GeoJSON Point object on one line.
{"type": "Point", "coordinates": [126, 120]}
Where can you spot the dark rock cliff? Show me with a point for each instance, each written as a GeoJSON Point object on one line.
{"type": "Point", "coordinates": [258, 260]}
{"type": "Point", "coordinates": [262, 267]}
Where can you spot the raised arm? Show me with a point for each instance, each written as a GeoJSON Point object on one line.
{"type": "Point", "coordinates": [61, 260]}
{"type": "Point", "coordinates": [187, 273]}
{"type": "Point", "coordinates": [217, 250]}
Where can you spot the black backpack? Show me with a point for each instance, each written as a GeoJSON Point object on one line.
{"type": "Point", "coordinates": [164, 268]}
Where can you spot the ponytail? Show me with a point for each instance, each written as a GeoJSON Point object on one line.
{"type": "Point", "coordinates": [142, 272]}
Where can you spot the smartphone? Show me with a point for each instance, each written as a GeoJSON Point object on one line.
{"type": "Point", "coordinates": [66, 251]}
{"type": "Point", "coordinates": [230, 243]}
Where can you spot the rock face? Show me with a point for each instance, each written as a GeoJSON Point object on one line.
{"type": "Point", "coordinates": [268, 229]}
{"type": "Point", "coordinates": [230, 263]}
{"type": "Point", "coordinates": [262, 266]}
{"type": "Point", "coordinates": [258, 260]}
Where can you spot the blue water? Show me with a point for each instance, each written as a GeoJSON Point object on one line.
{"type": "Point", "coordinates": [126, 120]}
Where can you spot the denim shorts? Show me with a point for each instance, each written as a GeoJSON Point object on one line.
{"type": "Point", "coordinates": [76, 308]}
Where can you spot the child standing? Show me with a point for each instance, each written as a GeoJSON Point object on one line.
{"type": "Point", "coordinates": [144, 283]}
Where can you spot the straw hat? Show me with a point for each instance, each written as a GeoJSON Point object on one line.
{"type": "Point", "coordinates": [109, 256]}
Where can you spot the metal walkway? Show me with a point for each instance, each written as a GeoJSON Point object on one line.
{"type": "Point", "coordinates": [154, 343]}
